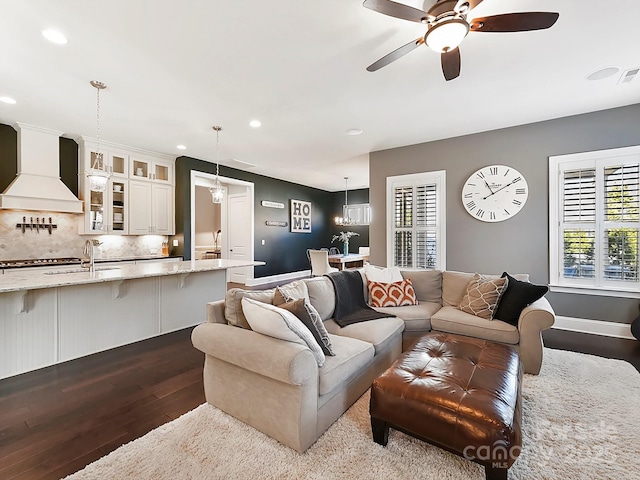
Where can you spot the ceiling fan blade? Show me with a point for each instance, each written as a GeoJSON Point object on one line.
{"type": "Point", "coordinates": [450, 64]}
{"type": "Point", "coordinates": [395, 55]}
{"type": "Point", "coordinates": [514, 22]}
{"type": "Point", "coordinates": [397, 10]}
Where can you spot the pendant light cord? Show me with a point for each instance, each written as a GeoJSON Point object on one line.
{"type": "Point", "coordinates": [217, 152]}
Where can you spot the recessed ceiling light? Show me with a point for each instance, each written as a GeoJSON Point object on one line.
{"type": "Point", "coordinates": [354, 131]}
{"type": "Point", "coordinates": [603, 73]}
{"type": "Point", "coordinates": [255, 123]}
{"type": "Point", "coordinates": [55, 37]}
{"type": "Point", "coordinates": [8, 100]}
{"type": "Point", "coordinates": [181, 147]}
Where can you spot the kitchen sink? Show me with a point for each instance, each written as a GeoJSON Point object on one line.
{"type": "Point", "coordinates": [79, 270]}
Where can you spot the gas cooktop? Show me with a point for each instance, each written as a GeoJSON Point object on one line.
{"type": "Point", "coordinates": [38, 262]}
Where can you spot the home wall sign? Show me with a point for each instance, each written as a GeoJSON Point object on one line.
{"type": "Point", "coordinates": [300, 216]}
{"type": "Point", "coordinates": [275, 223]}
{"type": "Point", "coordinates": [267, 203]}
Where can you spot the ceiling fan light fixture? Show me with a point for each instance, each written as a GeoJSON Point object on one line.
{"type": "Point", "coordinates": [446, 35]}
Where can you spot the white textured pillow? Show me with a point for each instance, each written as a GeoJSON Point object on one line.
{"type": "Point", "coordinates": [290, 291]}
{"type": "Point", "coordinates": [279, 323]}
{"type": "Point", "coordinates": [382, 275]}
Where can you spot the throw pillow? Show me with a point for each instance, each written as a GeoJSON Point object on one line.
{"type": "Point", "coordinates": [382, 275]}
{"type": "Point", "coordinates": [279, 323]}
{"type": "Point", "coordinates": [233, 307]}
{"type": "Point", "coordinates": [290, 291]}
{"type": "Point", "coordinates": [308, 315]}
{"type": "Point", "coordinates": [396, 294]}
{"type": "Point", "coordinates": [517, 296]}
{"type": "Point", "coordinates": [426, 283]}
{"type": "Point", "coordinates": [482, 296]}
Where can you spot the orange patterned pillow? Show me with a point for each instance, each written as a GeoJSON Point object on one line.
{"type": "Point", "coordinates": [395, 294]}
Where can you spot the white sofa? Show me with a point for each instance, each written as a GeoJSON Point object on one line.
{"type": "Point", "coordinates": [277, 387]}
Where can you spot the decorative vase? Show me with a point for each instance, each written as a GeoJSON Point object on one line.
{"type": "Point", "coordinates": [345, 249]}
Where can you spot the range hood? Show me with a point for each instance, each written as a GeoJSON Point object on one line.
{"type": "Point", "coordinates": [37, 185]}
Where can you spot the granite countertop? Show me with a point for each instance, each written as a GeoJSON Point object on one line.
{"type": "Point", "coordinates": [75, 275]}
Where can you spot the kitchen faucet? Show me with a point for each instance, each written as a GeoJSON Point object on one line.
{"type": "Point", "coordinates": [88, 250]}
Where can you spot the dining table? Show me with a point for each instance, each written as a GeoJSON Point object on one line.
{"type": "Point", "coordinates": [352, 260]}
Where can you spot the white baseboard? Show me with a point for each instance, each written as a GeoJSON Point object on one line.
{"type": "Point", "coordinates": [594, 327]}
{"type": "Point", "coordinates": [283, 277]}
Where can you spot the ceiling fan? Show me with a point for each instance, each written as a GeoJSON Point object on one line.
{"type": "Point", "coordinates": [447, 25]}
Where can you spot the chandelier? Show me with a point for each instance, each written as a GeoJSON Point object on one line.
{"type": "Point", "coordinates": [345, 220]}
{"type": "Point", "coordinates": [217, 193]}
{"type": "Point", "coordinates": [98, 175]}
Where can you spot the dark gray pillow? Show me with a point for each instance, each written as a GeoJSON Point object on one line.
{"type": "Point", "coordinates": [308, 315]}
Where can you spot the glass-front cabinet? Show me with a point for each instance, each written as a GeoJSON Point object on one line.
{"type": "Point", "coordinates": [119, 164]}
{"type": "Point", "coordinates": [154, 170]}
{"type": "Point", "coordinates": [127, 206]}
{"type": "Point", "coordinates": [119, 212]}
{"type": "Point", "coordinates": [107, 211]}
{"type": "Point", "coordinates": [114, 163]}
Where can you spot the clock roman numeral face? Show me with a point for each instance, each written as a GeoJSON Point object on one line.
{"type": "Point", "coordinates": [495, 193]}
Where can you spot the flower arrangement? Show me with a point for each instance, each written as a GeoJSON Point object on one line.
{"type": "Point", "coordinates": [344, 238]}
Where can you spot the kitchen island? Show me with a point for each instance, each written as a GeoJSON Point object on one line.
{"type": "Point", "coordinates": [51, 317]}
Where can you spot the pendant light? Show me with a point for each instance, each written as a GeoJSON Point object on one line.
{"type": "Point", "coordinates": [346, 220]}
{"type": "Point", "coordinates": [217, 193]}
{"type": "Point", "coordinates": [98, 175]}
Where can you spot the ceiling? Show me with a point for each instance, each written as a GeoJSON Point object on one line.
{"type": "Point", "coordinates": [174, 69]}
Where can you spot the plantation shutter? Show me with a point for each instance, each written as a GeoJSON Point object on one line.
{"type": "Point", "coordinates": [403, 226]}
{"type": "Point", "coordinates": [599, 222]}
{"type": "Point", "coordinates": [415, 225]}
{"type": "Point", "coordinates": [620, 212]}
{"type": "Point", "coordinates": [579, 217]}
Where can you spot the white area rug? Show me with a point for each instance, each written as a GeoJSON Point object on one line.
{"type": "Point", "coordinates": [580, 422]}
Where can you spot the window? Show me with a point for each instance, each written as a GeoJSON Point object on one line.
{"type": "Point", "coordinates": [594, 220]}
{"type": "Point", "coordinates": [416, 212]}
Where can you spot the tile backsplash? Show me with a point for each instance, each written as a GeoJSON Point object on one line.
{"type": "Point", "coordinates": [65, 241]}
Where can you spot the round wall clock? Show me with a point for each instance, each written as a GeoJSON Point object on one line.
{"type": "Point", "coordinates": [494, 193]}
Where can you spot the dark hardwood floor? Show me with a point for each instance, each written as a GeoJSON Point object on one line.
{"type": "Point", "coordinates": [57, 420]}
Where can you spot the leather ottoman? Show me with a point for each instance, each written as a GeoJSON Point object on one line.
{"type": "Point", "coordinates": [459, 393]}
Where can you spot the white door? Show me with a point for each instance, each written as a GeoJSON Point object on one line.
{"type": "Point", "coordinates": [239, 237]}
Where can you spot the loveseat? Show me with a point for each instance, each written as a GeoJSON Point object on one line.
{"type": "Point", "coordinates": [278, 387]}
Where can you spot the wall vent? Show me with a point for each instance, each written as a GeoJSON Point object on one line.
{"type": "Point", "coordinates": [629, 75]}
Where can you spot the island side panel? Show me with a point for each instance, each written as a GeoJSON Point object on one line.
{"type": "Point", "coordinates": [27, 331]}
{"type": "Point", "coordinates": [183, 298]}
{"type": "Point", "coordinates": [98, 316]}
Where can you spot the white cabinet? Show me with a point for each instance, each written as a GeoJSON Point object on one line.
{"type": "Point", "coordinates": [144, 168]}
{"type": "Point", "coordinates": [105, 212]}
{"type": "Point", "coordinates": [140, 193]}
{"type": "Point", "coordinates": [151, 208]}
{"type": "Point", "coordinates": [117, 164]}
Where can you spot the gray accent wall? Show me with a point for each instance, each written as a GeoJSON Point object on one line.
{"type": "Point", "coordinates": [520, 244]}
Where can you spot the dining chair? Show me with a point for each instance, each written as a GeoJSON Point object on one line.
{"type": "Point", "coordinates": [364, 251]}
{"type": "Point", "coordinates": [320, 263]}
{"type": "Point", "coordinates": [334, 251]}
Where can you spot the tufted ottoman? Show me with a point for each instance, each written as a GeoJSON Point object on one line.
{"type": "Point", "coordinates": [459, 393]}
